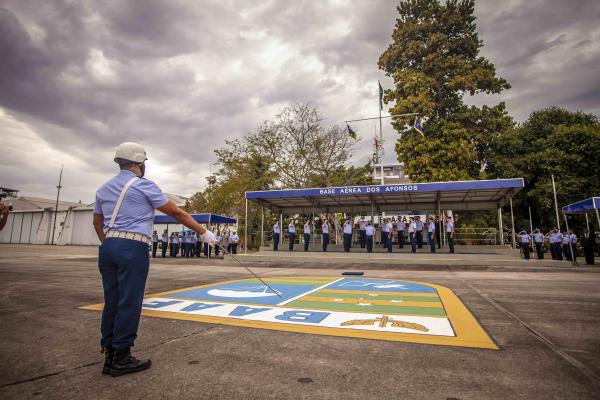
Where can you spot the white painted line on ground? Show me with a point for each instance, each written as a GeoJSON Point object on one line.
{"type": "Point", "coordinates": [310, 291]}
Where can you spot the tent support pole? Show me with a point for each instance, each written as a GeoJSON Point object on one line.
{"type": "Point", "coordinates": [312, 225]}
{"type": "Point", "coordinates": [246, 230]}
{"type": "Point", "coordinates": [512, 223]}
{"type": "Point", "coordinates": [500, 227]}
{"type": "Point", "coordinates": [598, 218]}
{"type": "Point", "coordinates": [280, 228]}
{"type": "Point", "coordinates": [441, 224]}
{"type": "Point", "coordinates": [262, 227]}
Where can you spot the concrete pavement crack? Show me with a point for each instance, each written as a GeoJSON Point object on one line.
{"type": "Point", "coordinates": [594, 378]}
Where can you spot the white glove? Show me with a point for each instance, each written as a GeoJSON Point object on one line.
{"type": "Point", "coordinates": [209, 237]}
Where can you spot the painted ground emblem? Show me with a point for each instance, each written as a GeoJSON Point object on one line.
{"type": "Point", "coordinates": [368, 308]}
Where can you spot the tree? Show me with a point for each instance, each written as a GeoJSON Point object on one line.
{"type": "Point", "coordinates": [551, 141]}
{"type": "Point", "coordinates": [301, 151]}
{"type": "Point", "coordinates": [291, 151]}
{"type": "Point", "coordinates": [434, 62]}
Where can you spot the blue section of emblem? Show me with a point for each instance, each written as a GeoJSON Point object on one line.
{"type": "Point", "coordinates": [247, 292]}
{"type": "Point", "coordinates": [380, 285]}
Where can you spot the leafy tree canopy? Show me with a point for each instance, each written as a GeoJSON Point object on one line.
{"type": "Point", "coordinates": [556, 142]}
{"type": "Point", "coordinates": [434, 60]}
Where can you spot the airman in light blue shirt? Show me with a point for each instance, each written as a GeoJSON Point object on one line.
{"type": "Point", "coordinates": [137, 211]}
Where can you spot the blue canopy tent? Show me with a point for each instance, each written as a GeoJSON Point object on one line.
{"type": "Point", "coordinates": [584, 207]}
{"type": "Point", "coordinates": [435, 196]}
{"type": "Point", "coordinates": [200, 218]}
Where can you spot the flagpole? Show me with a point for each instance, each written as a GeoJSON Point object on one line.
{"type": "Point", "coordinates": [380, 134]}
{"type": "Point", "coordinates": [56, 205]}
{"type": "Point", "coordinates": [555, 203]}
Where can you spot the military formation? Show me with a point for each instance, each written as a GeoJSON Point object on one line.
{"type": "Point", "coordinates": [189, 244]}
{"type": "Point", "coordinates": [392, 231]}
{"type": "Point", "coordinates": [562, 244]}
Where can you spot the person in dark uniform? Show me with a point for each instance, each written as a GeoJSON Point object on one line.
{"type": "Point", "coordinates": [164, 243]}
{"type": "Point", "coordinates": [390, 235]}
{"type": "Point", "coordinates": [431, 234]}
{"type": "Point", "coordinates": [525, 240]}
{"type": "Point", "coordinates": [369, 234]}
{"type": "Point", "coordinates": [154, 243]}
{"type": "Point", "coordinates": [347, 234]}
{"type": "Point", "coordinates": [419, 233]}
{"type": "Point", "coordinates": [450, 235]}
{"type": "Point", "coordinates": [438, 230]}
{"type": "Point", "coordinates": [384, 233]}
{"type": "Point", "coordinates": [538, 241]}
{"type": "Point", "coordinates": [234, 240]}
{"type": "Point", "coordinates": [325, 232]}
{"type": "Point", "coordinates": [400, 226]}
{"type": "Point", "coordinates": [589, 245]}
{"type": "Point", "coordinates": [276, 235]}
{"type": "Point", "coordinates": [412, 229]}
{"type": "Point", "coordinates": [307, 232]}
{"type": "Point", "coordinates": [362, 238]}
{"type": "Point", "coordinates": [291, 234]}
{"type": "Point", "coordinates": [123, 217]}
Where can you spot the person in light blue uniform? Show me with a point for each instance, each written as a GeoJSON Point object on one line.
{"type": "Point", "coordinates": [276, 233]}
{"type": "Point", "coordinates": [369, 234]}
{"type": "Point", "coordinates": [431, 234]}
{"type": "Point", "coordinates": [164, 243]}
{"type": "Point", "coordinates": [347, 234]}
{"type": "Point", "coordinates": [123, 217]}
{"type": "Point", "coordinates": [154, 243]}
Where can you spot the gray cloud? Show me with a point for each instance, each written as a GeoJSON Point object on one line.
{"type": "Point", "coordinates": [79, 77]}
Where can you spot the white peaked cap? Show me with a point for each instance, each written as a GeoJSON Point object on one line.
{"type": "Point", "coordinates": [131, 152]}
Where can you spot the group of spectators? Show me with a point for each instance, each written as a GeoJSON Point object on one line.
{"type": "Point", "coordinates": [189, 244]}
{"type": "Point", "coordinates": [563, 244]}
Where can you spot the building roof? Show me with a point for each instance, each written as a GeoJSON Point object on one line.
{"type": "Point", "coordinates": [39, 203]}
{"type": "Point", "coordinates": [459, 195]}
{"type": "Point", "coordinates": [582, 206]}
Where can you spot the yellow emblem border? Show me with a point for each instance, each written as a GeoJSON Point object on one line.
{"type": "Point", "coordinates": [469, 333]}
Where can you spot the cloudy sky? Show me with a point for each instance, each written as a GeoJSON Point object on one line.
{"type": "Point", "coordinates": [78, 77]}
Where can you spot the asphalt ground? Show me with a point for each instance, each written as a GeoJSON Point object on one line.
{"type": "Point", "coordinates": [546, 322]}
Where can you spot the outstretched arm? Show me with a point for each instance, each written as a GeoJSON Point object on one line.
{"type": "Point", "coordinates": [180, 215]}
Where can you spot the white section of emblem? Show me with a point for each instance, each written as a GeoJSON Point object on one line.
{"type": "Point", "coordinates": [378, 285]}
{"type": "Point", "coordinates": [243, 292]}
{"type": "Point", "coordinates": [436, 326]}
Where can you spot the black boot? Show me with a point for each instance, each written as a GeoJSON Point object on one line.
{"type": "Point", "coordinates": [109, 354]}
{"type": "Point", "coordinates": [125, 363]}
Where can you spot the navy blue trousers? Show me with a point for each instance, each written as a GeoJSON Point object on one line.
{"type": "Point", "coordinates": [123, 264]}
{"type": "Point", "coordinates": [431, 242]}
{"type": "Point", "coordinates": [401, 239]}
{"type": "Point", "coordinates": [413, 242]}
{"type": "Point", "coordinates": [164, 248]}
{"type": "Point", "coordinates": [292, 238]}
{"type": "Point", "coordinates": [369, 243]}
{"type": "Point", "coordinates": [325, 241]}
{"type": "Point", "coordinates": [347, 242]}
{"type": "Point", "coordinates": [384, 236]}
{"type": "Point", "coordinates": [306, 241]}
{"type": "Point", "coordinates": [276, 242]}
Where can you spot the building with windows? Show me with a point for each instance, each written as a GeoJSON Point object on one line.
{"type": "Point", "coordinates": [392, 174]}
